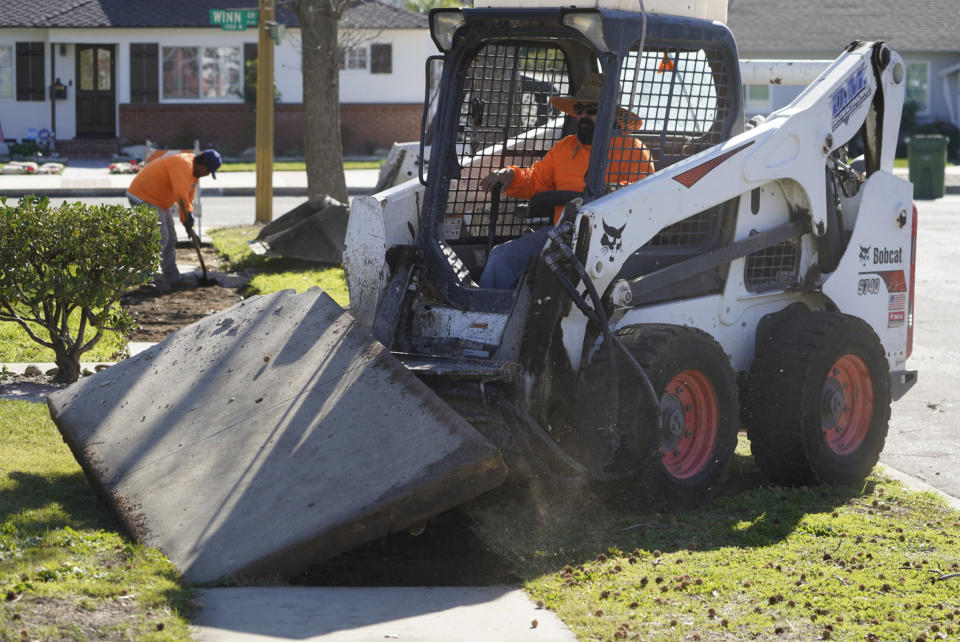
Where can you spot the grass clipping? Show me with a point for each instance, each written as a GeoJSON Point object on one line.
{"type": "Point", "coordinates": [761, 562]}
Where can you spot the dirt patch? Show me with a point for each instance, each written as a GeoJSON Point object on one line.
{"type": "Point", "coordinates": [160, 313]}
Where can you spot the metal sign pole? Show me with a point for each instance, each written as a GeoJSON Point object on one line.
{"type": "Point", "coordinates": [264, 191]}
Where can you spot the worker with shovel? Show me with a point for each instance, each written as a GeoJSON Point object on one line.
{"type": "Point", "coordinates": [167, 183]}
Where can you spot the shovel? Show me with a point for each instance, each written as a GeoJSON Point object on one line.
{"type": "Point", "coordinates": [202, 281]}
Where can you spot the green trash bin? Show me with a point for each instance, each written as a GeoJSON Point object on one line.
{"type": "Point", "coordinates": [927, 159]}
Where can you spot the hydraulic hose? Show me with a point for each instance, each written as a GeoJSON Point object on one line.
{"type": "Point", "coordinates": [596, 313]}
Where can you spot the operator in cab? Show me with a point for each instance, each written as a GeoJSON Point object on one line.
{"type": "Point", "coordinates": [564, 167]}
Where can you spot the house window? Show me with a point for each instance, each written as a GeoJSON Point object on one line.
{"type": "Point", "coordinates": [221, 72]}
{"type": "Point", "coordinates": [30, 71]}
{"type": "Point", "coordinates": [381, 59]}
{"type": "Point", "coordinates": [918, 85]}
{"type": "Point", "coordinates": [6, 72]}
{"type": "Point", "coordinates": [757, 98]}
{"type": "Point", "coordinates": [353, 58]}
{"type": "Point", "coordinates": [201, 72]}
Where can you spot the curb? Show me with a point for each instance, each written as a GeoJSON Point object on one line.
{"type": "Point", "coordinates": [918, 485]}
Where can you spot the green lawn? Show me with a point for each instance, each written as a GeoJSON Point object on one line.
{"type": "Point", "coordinates": [272, 274]}
{"type": "Point", "coordinates": [902, 163]}
{"type": "Point", "coordinates": [66, 572]}
{"type": "Point", "coordinates": [17, 347]}
{"type": "Point", "coordinates": [761, 562]}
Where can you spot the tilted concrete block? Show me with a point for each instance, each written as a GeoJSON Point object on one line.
{"type": "Point", "coordinates": [270, 436]}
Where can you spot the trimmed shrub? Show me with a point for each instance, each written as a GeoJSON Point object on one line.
{"type": "Point", "coordinates": [77, 257]}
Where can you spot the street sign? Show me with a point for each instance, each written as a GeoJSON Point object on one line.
{"type": "Point", "coordinates": [234, 19]}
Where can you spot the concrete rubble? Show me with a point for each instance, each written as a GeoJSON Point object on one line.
{"type": "Point", "coordinates": [269, 436]}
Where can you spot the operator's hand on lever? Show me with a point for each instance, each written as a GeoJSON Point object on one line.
{"type": "Point", "coordinates": [502, 176]}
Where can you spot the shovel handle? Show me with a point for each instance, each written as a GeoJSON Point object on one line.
{"type": "Point", "coordinates": [196, 245]}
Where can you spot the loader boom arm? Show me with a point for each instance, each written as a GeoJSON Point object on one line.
{"type": "Point", "coordinates": [864, 87]}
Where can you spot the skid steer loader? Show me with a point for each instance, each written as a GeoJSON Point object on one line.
{"type": "Point", "coordinates": [756, 275]}
{"type": "Point", "coordinates": [757, 278]}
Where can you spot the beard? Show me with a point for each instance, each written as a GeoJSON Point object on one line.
{"type": "Point", "coordinates": [585, 128]}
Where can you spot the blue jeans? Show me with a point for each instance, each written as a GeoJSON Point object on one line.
{"type": "Point", "coordinates": [507, 261]}
{"type": "Point", "coordinates": [168, 238]}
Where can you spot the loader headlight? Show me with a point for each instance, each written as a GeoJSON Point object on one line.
{"type": "Point", "coordinates": [443, 25]}
{"type": "Point", "coordinates": [590, 24]}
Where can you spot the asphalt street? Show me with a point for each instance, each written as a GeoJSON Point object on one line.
{"type": "Point", "coordinates": [924, 437]}
{"type": "Point", "coordinates": [217, 211]}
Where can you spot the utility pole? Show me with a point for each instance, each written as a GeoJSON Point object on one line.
{"type": "Point", "coordinates": [264, 191]}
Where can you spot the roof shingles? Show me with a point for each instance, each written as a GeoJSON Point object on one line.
{"type": "Point", "coordinates": [826, 25]}
{"type": "Point", "coordinates": [364, 14]}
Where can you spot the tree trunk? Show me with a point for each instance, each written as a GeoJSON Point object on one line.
{"type": "Point", "coordinates": [68, 366]}
{"type": "Point", "coordinates": [321, 97]}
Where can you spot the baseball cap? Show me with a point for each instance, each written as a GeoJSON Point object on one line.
{"type": "Point", "coordinates": [211, 158]}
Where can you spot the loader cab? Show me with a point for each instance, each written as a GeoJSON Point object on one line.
{"type": "Point", "coordinates": [678, 95]}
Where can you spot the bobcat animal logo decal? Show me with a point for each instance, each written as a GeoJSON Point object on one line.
{"type": "Point", "coordinates": [612, 241]}
{"type": "Point", "coordinates": [864, 254]}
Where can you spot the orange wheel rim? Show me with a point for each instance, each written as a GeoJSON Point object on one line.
{"type": "Point", "coordinates": [689, 414]}
{"type": "Point", "coordinates": [846, 407]}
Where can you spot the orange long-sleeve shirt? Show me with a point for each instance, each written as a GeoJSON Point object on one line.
{"type": "Point", "coordinates": [565, 166]}
{"type": "Point", "coordinates": [165, 181]}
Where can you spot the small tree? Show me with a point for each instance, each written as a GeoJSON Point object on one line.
{"type": "Point", "coordinates": [75, 258]}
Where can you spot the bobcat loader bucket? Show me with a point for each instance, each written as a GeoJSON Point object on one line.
{"type": "Point", "coordinates": [314, 231]}
{"type": "Point", "coordinates": [269, 436]}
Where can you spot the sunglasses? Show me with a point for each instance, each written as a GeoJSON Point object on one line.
{"type": "Point", "coordinates": [579, 108]}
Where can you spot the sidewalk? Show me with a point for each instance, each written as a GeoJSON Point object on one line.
{"type": "Point", "coordinates": [86, 178]}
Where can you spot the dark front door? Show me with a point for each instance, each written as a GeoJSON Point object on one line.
{"type": "Point", "coordinates": [96, 91]}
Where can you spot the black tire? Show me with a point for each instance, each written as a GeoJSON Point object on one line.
{"type": "Point", "coordinates": [818, 399]}
{"type": "Point", "coordinates": [685, 464]}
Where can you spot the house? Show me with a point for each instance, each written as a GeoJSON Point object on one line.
{"type": "Point", "coordinates": [103, 74]}
{"type": "Point", "coordinates": [925, 32]}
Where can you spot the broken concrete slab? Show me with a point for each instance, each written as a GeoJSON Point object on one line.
{"type": "Point", "coordinates": [313, 231]}
{"type": "Point", "coordinates": [269, 436]}
{"type": "Point", "coordinates": [297, 215]}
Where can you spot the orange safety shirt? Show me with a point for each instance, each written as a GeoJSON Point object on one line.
{"type": "Point", "coordinates": [165, 181]}
{"type": "Point", "coordinates": [565, 166]}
